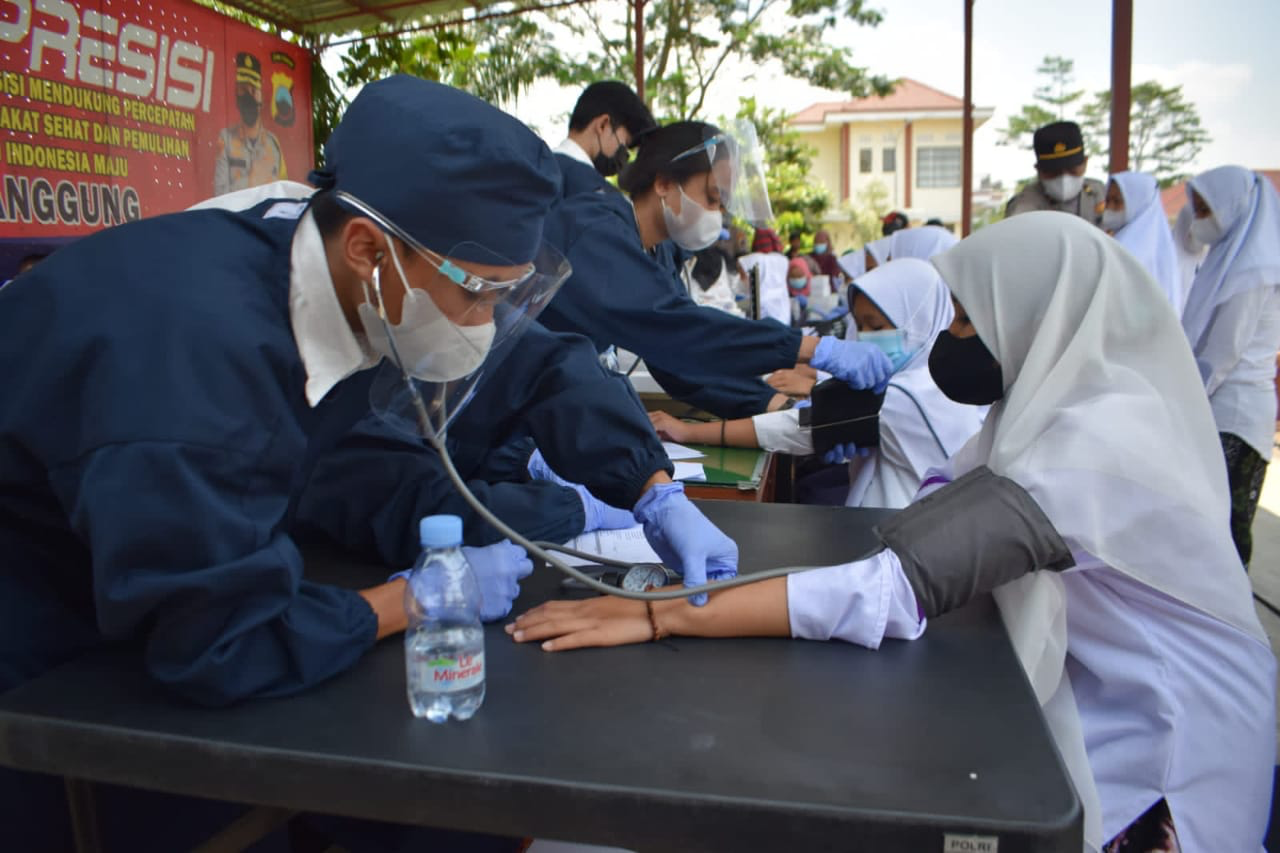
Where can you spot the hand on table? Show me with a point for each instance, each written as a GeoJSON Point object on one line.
{"type": "Point", "coordinates": [563, 625]}
{"type": "Point", "coordinates": [671, 428]}
{"type": "Point", "coordinates": [498, 568]}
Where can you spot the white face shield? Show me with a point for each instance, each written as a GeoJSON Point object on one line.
{"type": "Point", "coordinates": [737, 170]}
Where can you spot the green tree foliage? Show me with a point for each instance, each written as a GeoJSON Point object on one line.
{"type": "Point", "coordinates": [1165, 133]}
{"type": "Point", "coordinates": [798, 202]}
{"type": "Point", "coordinates": [688, 43]}
{"type": "Point", "coordinates": [1053, 98]}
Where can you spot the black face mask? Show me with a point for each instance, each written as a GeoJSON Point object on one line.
{"type": "Point", "coordinates": [248, 106]}
{"type": "Point", "coordinates": [965, 370]}
{"type": "Point", "coordinates": [606, 165]}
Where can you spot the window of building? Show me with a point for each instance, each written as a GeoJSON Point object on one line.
{"type": "Point", "coordinates": [889, 160]}
{"type": "Point", "coordinates": [864, 160]}
{"type": "Point", "coordinates": [938, 167]}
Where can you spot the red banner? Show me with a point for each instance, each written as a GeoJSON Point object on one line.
{"type": "Point", "coordinates": [111, 110]}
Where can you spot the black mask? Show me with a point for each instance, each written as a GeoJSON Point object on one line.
{"type": "Point", "coordinates": [248, 106]}
{"type": "Point", "coordinates": [606, 165]}
{"type": "Point", "coordinates": [965, 370]}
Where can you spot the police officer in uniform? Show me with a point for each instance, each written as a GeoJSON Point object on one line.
{"type": "Point", "coordinates": [1061, 184]}
{"type": "Point", "coordinates": [248, 154]}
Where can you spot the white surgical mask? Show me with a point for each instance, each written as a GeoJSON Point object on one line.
{"type": "Point", "coordinates": [695, 228]}
{"type": "Point", "coordinates": [431, 347]}
{"type": "Point", "coordinates": [1113, 220]}
{"type": "Point", "coordinates": [1063, 187]}
{"type": "Point", "coordinates": [1206, 231]}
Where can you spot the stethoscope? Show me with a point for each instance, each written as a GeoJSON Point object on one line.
{"type": "Point", "coordinates": [638, 581]}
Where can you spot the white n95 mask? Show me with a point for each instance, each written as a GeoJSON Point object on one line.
{"type": "Point", "coordinates": [1063, 187]}
{"type": "Point", "coordinates": [428, 345]}
{"type": "Point", "coordinates": [695, 228]}
{"type": "Point", "coordinates": [1205, 230]}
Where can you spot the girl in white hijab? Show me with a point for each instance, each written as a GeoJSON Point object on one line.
{"type": "Point", "coordinates": [923, 242]}
{"type": "Point", "coordinates": [1232, 320]}
{"type": "Point", "coordinates": [903, 305]}
{"type": "Point", "coordinates": [1156, 678]}
{"type": "Point", "coordinates": [1135, 217]}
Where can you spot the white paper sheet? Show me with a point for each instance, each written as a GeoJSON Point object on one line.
{"type": "Point", "coordinates": [689, 471]}
{"type": "Point", "coordinates": [627, 544]}
{"type": "Point", "coordinates": [679, 451]}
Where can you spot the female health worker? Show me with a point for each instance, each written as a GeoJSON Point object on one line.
{"type": "Point", "coordinates": [1113, 568]}
{"type": "Point", "coordinates": [622, 292]}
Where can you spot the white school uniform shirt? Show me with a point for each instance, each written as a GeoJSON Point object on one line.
{"type": "Point", "coordinates": [1147, 657]}
{"type": "Point", "coordinates": [1146, 234]}
{"type": "Point", "coordinates": [1232, 317]}
{"type": "Point", "coordinates": [919, 426]}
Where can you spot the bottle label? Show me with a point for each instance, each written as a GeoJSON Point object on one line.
{"type": "Point", "coordinates": [446, 674]}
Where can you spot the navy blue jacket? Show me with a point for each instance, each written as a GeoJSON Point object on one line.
{"type": "Point", "coordinates": [369, 491]}
{"type": "Point", "coordinates": [621, 295]}
{"type": "Point", "coordinates": [154, 436]}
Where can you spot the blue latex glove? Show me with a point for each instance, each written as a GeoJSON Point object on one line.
{"type": "Point", "coordinates": [685, 540]}
{"type": "Point", "coordinates": [599, 515]}
{"type": "Point", "coordinates": [860, 364]}
{"type": "Point", "coordinates": [835, 314]}
{"type": "Point", "coordinates": [844, 453]}
{"type": "Point", "coordinates": [498, 568]}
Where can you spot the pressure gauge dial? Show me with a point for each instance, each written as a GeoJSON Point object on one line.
{"type": "Point", "coordinates": [644, 576]}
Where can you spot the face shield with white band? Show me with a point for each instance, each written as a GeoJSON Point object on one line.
{"type": "Point", "coordinates": [737, 170]}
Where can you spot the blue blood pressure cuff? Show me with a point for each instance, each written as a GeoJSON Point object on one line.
{"type": "Point", "coordinates": [842, 415]}
{"type": "Point", "coordinates": [969, 537]}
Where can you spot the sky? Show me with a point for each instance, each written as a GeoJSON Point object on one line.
{"type": "Point", "coordinates": [1224, 54]}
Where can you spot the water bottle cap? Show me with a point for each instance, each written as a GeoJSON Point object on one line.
{"type": "Point", "coordinates": [440, 531]}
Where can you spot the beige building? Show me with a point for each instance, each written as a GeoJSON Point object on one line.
{"type": "Point", "coordinates": [909, 142]}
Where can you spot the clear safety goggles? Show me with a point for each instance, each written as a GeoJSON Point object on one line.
{"type": "Point", "coordinates": [737, 169]}
{"type": "Point", "coordinates": [468, 281]}
{"type": "Point", "coordinates": [422, 408]}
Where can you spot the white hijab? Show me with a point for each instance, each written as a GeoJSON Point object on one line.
{"type": "Point", "coordinates": [853, 263]}
{"type": "Point", "coordinates": [1105, 423]}
{"type": "Point", "coordinates": [923, 242]}
{"type": "Point", "coordinates": [1146, 233]}
{"type": "Point", "coordinates": [879, 250]}
{"type": "Point", "coordinates": [1247, 255]}
{"type": "Point", "coordinates": [911, 294]}
{"type": "Point", "coordinates": [1104, 419]}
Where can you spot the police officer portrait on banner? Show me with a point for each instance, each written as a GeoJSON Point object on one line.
{"type": "Point", "coordinates": [1060, 182]}
{"type": "Point", "coordinates": [249, 155]}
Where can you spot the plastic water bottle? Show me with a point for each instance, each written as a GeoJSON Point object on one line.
{"type": "Point", "coordinates": [444, 641]}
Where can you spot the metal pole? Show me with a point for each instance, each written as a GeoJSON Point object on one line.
{"type": "Point", "coordinates": [1121, 69]}
{"type": "Point", "coordinates": [638, 5]}
{"type": "Point", "coordinates": [966, 173]}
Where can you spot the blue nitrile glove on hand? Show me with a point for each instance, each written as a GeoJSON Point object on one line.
{"type": "Point", "coordinates": [685, 540]}
{"type": "Point", "coordinates": [860, 364]}
{"type": "Point", "coordinates": [498, 568]}
{"type": "Point", "coordinates": [844, 453]}
{"type": "Point", "coordinates": [599, 515]}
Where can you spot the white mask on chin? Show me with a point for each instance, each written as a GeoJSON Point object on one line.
{"type": "Point", "coordinates": [431, 347]}
{"type": "Point", "coordinates": [1205, 230]}
{"type": "Point", "coordinates": [694, 228]}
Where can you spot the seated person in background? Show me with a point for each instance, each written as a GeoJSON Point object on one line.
{"type": "Point", "coordinates": [1232, 320]}
{"type": "Point", "coordinates": [902, 306]}
{"type": "Point", "coordinates": [795, 245]}
{"type": "Point", "coordinates": [1135, 217]}
{"type": "Point", "coordinates": [771, 267]}
{"type": "Point", "coordinates": [1113, 568]}
{"type": "Point", "coordinates": [1060, 182]}
{"type": "Point", "coordinates": [825, 257]}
